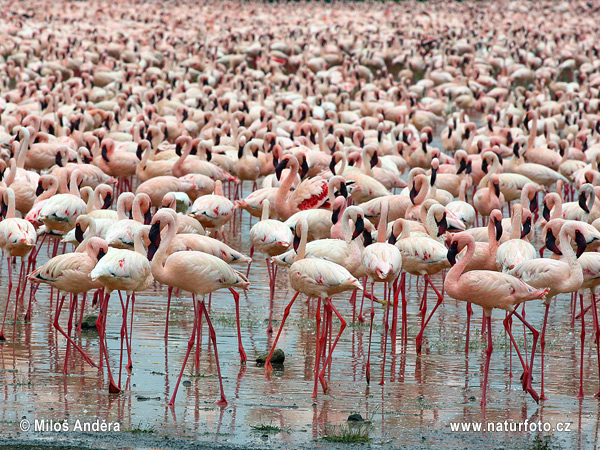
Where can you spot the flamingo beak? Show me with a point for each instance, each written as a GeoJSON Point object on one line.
{"type": "Point", "coordinates": [101, 254]}
{"type": "Point", "coordinates": [497, 189]}
{"type": "Point", "coordinates": [282, 165]}
{"type": "Point", "coordinates": [358, 227]}
{"type": "Point", "coordinates": [374, 159]}
{"type": "Point", "coordinates": [463, 166]}
{"type": "Point", "coordinates": [533, 204]}
{"type": "Point", "coordinates": [303, 168]}
{"type": "Point", "coordinates": [178, 149]}
{"type": "Point", "coordinates": [344, 190]}
{"type": "Point", "coordinates": [442, 225]}
{"type": "Point", "coordinates": [107, 201]}
{"type": "Point", "coordinates": [296, 242]}
{"type": "Point", "coordinates": [516, 150]}
{"type": "Point", "coordinates": [469, 168]}
{"type": "Point", "coordinates": [331, 165]}
{"type": "Point", "coordinates": [412, 194]}
{"type": "Point", "coordinates": [39, 190]}
{"type": "Point", "coordinates": [105, 154]}
{"type": "Point", "coordinates": [581, 243]}
{"type": "Point", "coordinates": [154, 234]}
{"type": "Point", "coordinates": [392, 239]}
{"type": "Point", "coordinates": [78, 233]}
{"type": "Point", "coordinates": [498, 226]}
{"type": "Point", "coordinates": [433, 176]}
{"type": "Point", "coordinates": [147, 217]}
{"type": "Point", "coordinates": [335, 216]}
{"type": "Point", "coordinates": [452, 252]}
{"type": "Point", "coordinates": [58, 159]}
{"type": "Point", "coordinates": [139, 152]}
{"type": "Point", "coordinates": [367, 238]}
{"type": "Point", "coordinates": [546, 212]}
{"type": "Point", "coordinates": [484, 166]}
{"type": "Point", "coordinates": [526, 228]}
{"type": "Point", "coordinates": [551, 243]}
{"type": "Point", "coordinates": [208, 155]}
{"type": "Point", "coordinates": [582, 202]}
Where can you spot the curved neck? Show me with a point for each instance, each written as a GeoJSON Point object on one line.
{"type": "Point", "coordinates": [50, 190]}
{"type": "Point", "coordinates": [532, 132]}
{"type": "Point", "coordinates": [382, 228]}
{"type": "Point", "coordinates": [515, 222]}
{"type": "Point", "coordinates": [136, 210]}
{"type": "Point", "coordinates": [420, 197]}
{"type": "Point", "coordinates": [23, 150]}
{"type": "Point", "coordinates": [158, 261]}
{"type": "Point", "coordinates": [265, 210]}
{"type": "Point", "coordinates": [565, 245]}
{"type": "Point", "coordinates": [302, 248]}
{"type": "Point", "coordinates": [455, 272]}
{"type": "Point", "coordinates": [10, 178]}
{"type": "Point", "coordinates": [10, 212]}
{"type": "Point", "coordinates": [284, 208]}
{"type": "Point", "coordinates": [138, 243]}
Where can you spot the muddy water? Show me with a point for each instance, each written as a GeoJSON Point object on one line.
{"type": "Point", "coordinates": [421, 396]}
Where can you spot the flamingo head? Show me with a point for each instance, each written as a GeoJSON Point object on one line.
{"type": "Point", "coordinates": [452, 252]}
{"type": "Point", "coordinates": [581, 242]}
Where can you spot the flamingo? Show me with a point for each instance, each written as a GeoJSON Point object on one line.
{"type": "Point", "coordinates": [121, 270]}
{"type": "Point", "coordinates": [383, 263]}
{"type": "Point", "coordinates": [69, 273]}
{"type": "Point", "coordinates": [17, 238]}
{"type": "Point", "coordinates": [490, 290]}
{"type": "Point", "coordinates": [563, 276]}
{"type": "Point", "coordinates": [198, 273]}
{"type": "Point", "coordinates": [316, 278]}
{"type": "Point", "coordinates": [213, 211]}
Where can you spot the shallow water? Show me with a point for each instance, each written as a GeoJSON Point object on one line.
{"type": "Point", "coordinates": [421, 397]}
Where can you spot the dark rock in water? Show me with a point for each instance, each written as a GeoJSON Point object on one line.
{"type": "Point", "coordinates": [89, 322]}
{"type": "Point", "coordinates": [142, 398]}
{"type": "Point", "coordinates": [187, 383]}
{"type": "Point", "coordinates": [356, 417]}
{"type": "Point", "coordinates": [277, 358]}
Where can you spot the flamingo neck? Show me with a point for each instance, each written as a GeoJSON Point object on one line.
{"type": "Point", "coordinates": [302, 248]}
{"type": "Point", "coordinates": [158, 261]}
{"type": "Point", "coordinates": [283, 207]}
{"type": "Point", "coordinates": [382, 228]}
{"type": "Point", "coordinates": [10, 212]}
{"type": "Point", "coordinates": [565, 245]}
{"type": "Point", "coordinates": [455, 272]}
{"type": "Point", "coordinates": [516, 222]}
{"type": "Point", "coordinates": [23, 150]}
{"type": "Point", "coordinates": [532, 133]}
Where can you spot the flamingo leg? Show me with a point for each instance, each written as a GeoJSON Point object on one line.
{"type": "Point", "coordinates": [170, 293]}
{"type": "Point", "coordinates": [2, 337]}
{"type": "Point", "coordinates": [419, 338]}
{"type": "Point", "coordinates": [213, 336]}
{"type": "Point", "coordinates": [81, 312]}
{"type": "Point", "coordinates": [368, 368]}
{"type": "Point", "coordinates": [72, 307]}
{"type": "Point", "coordinates": [527, 368]}
{"type": "Point", "coordinates": [286, 312]}
{"type": "Point", "coordinates": [130, 336]}
{"type": "Point", "coordinates": [543, 347]}
{"type": "Point", "coordinates": [335, 342]}
{"type": "Point", "coordinates": [112, 386]}
{"type": "Point", "coordinates": [580, 394]}
{"type": "Point", "coordinates": [469, 314]}
{"type": "Point", "coordinates": [318, 347]}
{"type": "Point", "coordinates": [361, 318]}
{"type": "Point", "coordinates": [189, 349]}
{"type": "Point", "coordinates": [67, 337]}
{"type": "Point", "coordinates": [236, 298]}
{"type": "Point", "coordinates": [597, 333]}
{"type": "Point", "coordinates": [394, 328]}
{"type": "Point", "coordinates": [404, 312]}
{"type": "Point", "coordinates": [385, 332]}
{"type": "Point", "coordinates": [488, 353]}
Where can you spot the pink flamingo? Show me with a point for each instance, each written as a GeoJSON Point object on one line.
{"type": "Point", "coordinates": [70, 273]}
{"type": "Point", "coordinates": [490, 290]}
{"type": "Point", "coordinates": [316, 278]}
{"type": "Point", "coordinates": [17, 238]}
{"type": "Point", "coordinates": [198, 273]}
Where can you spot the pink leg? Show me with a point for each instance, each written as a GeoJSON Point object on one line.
{"type": "Point", "coordinates": [189, 349]}
{"type": "Point", "coordinates": [236, 298]}
{"type": "Point", "coordinates": [394, 328]}
{"type": "Point", "coordinates": [368, 369]}
{"type": "Point", "coordinates": [112, 386]}
{"type": "Point", "coordinates": [2, 337]}
{"type": "Point", "coordinates": [488, 352]}
{"type": "Point", "coordinates": [361, 318]}
{"type": "Point", "coordinates": [469, 314]}
{"type": "Point", "coordinates": [130, 336]}
{"type": "Point", "coordinates": [543, 347]}
{"type": "Point", "coordinates": [597, 334]}
{"type": "Point", "coordinates": [67, 337]}
{"type": "Point", "coordinates": [72, 307]}
{"type": "Point", "coordinates": [318, 347]}
{"type": "Point", "coordinates": [170, 292]}
{"type": "Point", "coordinates": [419, 339]}
{"type": "Point", "coordinates": [286, 312]}
{"type": "Point", "coordinates": [342, 327]}
{"type": "Point", "coordinates": [213, 336]}
{"type": "Point", "coordinates": [385, 333]}
{"type": "Point", "coordinates": [580, 395]}
{"type": "Point", "coordinates": [404, 312]}
{"type": "Point", "coordinates": [82, 311]}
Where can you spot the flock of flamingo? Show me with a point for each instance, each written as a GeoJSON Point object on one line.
{"type": "Point", "coordinates": [380, 140]}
